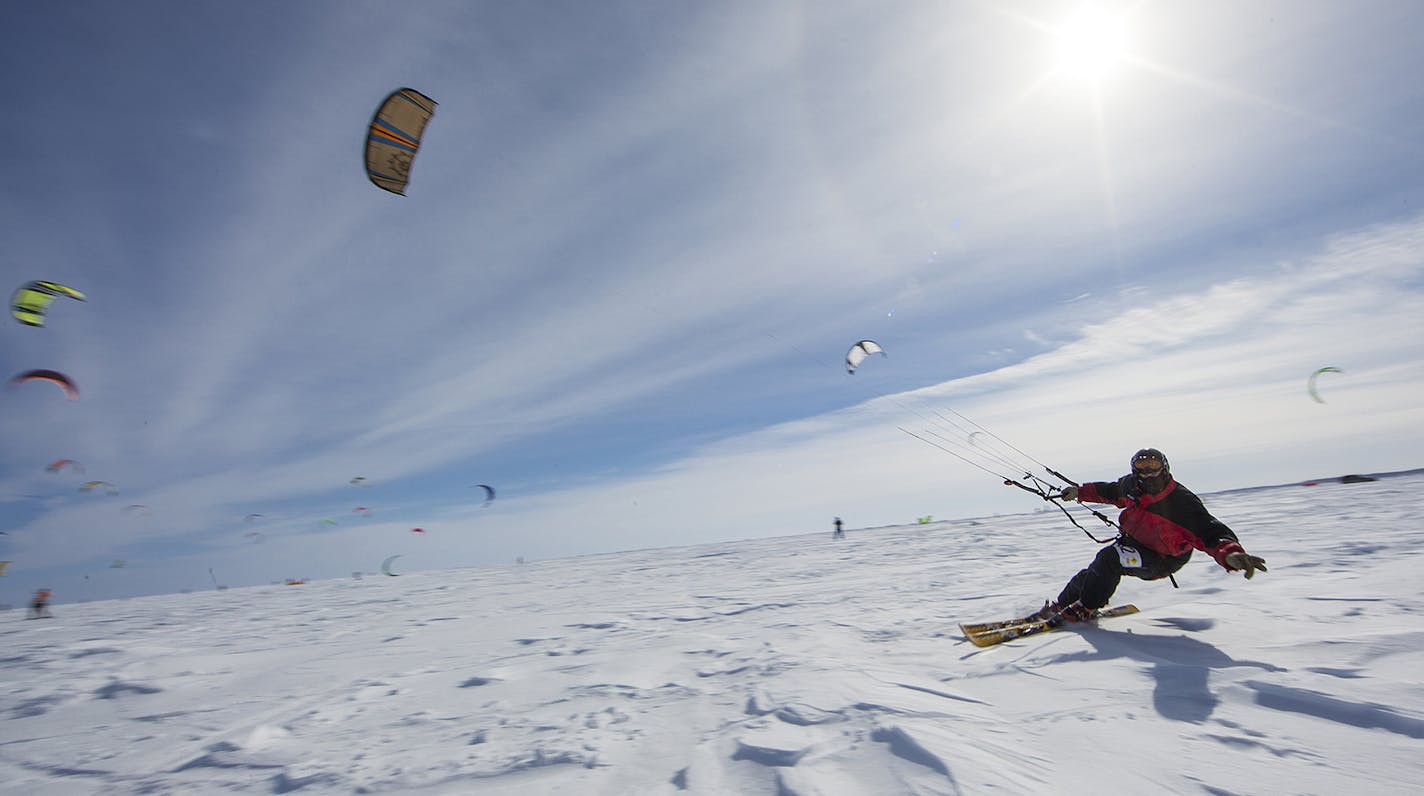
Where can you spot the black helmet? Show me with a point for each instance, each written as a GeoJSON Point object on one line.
{"type": "Point", "coordinates": [1151, 469]}
{"type": "Point", "coordinates": [1150, 455]}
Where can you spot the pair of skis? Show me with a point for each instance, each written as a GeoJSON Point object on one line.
{"type": "Point", "coordinates": [987, 634]}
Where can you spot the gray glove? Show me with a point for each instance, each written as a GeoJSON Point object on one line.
{"type": "Point", "coordinates": [1247, 562]}
{"type": "Point", "coordinates": [1069, 493]}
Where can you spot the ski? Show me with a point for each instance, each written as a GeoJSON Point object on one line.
{"type": "Point", "coordinates": [987, 634]}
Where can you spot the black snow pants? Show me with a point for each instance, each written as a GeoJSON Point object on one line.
{"type": "Point", "coordinates": [1096, 584]}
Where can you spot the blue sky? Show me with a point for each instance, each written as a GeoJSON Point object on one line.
{"type": "Point", "coordinates": [636, 244]}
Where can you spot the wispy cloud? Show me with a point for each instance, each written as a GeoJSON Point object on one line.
{"type": "Point", "coordinates": [1218, 378]}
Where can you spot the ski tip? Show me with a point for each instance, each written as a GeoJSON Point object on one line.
{"type": "Point", "coordinates": [985, 641]}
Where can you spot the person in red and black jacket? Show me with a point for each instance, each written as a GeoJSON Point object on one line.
{"type": "Point", "coordinates": [1161, 521]}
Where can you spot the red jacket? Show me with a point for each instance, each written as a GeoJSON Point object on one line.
{"type": "Point", "coordinates": [1170, 522]}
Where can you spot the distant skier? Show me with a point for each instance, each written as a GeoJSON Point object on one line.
{"type": "Point", "coordinates": [1161, 522]}
{"type": "Point", "coordinates": [39, 605]}
{"type": "Point", "coordinates": [839, 532]}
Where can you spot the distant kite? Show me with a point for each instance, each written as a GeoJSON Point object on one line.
{"type": "Point", "coordinates": [30, 302]}
{"type": "Point", "coordinates": [417, 530]}
{"type": "Point", "coordinates": [859, 352]}
{"type": "Point", "coordinates": [139, 508]}
{"type": "Point", "coordinates": [1310, 383]}
{"type": "Point", "coordinates": [359, 480]}
{"type": "Point", "coordinates": [70, 391]}
{"type": "Point", "coordinates": [4, 565]}
{"type": "Point", "coordinates": [489, 493]}
{"type": "Point", "coordinates": [393, 138]}
{"type": "Point", "coordinates": [362, 510]}
{"type": "Point", "coordinates": [91, 486]}
{"type": "Point", "coordinates": [252, 517]}
{"type": "Point", "coordinates": [386, 566]}
{"type": "Point", "coordinates": [59, 464]}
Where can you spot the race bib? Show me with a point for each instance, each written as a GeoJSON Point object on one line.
{"type": "Point", "coordinates": [1130, 558]}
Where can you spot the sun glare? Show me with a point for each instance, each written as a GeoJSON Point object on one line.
{"type": "Point", "coordinates": [1090, 44]}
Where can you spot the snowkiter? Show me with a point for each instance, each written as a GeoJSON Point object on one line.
{"type": "Point", "coordinates": [1161, 522]}
{"type": "Point", "coordinates": [39, 605]}
{"type": "Point", "coordinates": [839, 532]}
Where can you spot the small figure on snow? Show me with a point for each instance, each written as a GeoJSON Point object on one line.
{"type": "Point", "coordinates": [1161, 522]}
{"type": "Point", "coordinates": [839, 532]}
{"type": "Point", "coordinates": [39, 605]}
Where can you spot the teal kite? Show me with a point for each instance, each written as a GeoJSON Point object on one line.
{"type": "Point", "coordinates": [1310, 383]}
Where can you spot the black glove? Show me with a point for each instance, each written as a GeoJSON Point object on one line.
{"type": "Point", "coordinates": [1250, 563]}
{"type": "Point", "coordinates": [1069, 493]}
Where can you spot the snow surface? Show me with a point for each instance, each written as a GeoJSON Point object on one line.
{"type": "Point", "coordinates": [797, 665]}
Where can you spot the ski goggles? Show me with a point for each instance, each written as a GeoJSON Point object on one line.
{"type": "Point", "coordinates": [1148, 468]}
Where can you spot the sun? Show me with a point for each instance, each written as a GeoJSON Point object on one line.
{"type": "Point", "coordinates": [1091, 44]}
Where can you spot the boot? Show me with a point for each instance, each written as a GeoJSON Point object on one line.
{"type": "Point", "coordinates": [1048, 611]}
{"type": "Point", "coordinates": [1056, 614]}
{"type": "Point", "coordinates": [1074, 612]}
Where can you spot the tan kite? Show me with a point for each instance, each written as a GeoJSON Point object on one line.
{"type": "Point", "coordinates": [394, 138]}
